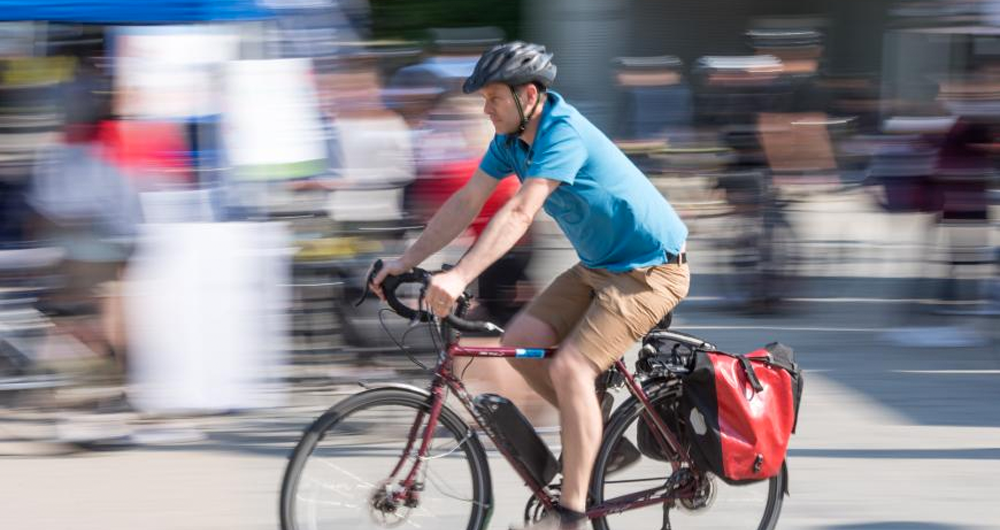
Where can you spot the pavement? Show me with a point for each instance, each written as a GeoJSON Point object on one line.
{"type": "Point", "coordinates": [899, 427]}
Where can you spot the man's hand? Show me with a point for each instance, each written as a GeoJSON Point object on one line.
{"type": "Point", "coordinates": [443, 290]}
{"type": "Point", "coordinates": [393, 267]}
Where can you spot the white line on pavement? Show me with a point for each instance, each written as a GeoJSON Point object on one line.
{"type": "Point", "coordinates": [852, 300]}
{"type": "Point", "coordinates": [784, 328]}
{"type": "Point", "coordinates": [950, 372]}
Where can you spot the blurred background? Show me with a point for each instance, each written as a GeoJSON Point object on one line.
{"type": "Point", "coordinates": [191, 192]}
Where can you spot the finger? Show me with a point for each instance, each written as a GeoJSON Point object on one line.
{"type": "Point", "coordinates": [376, 283]}
{"type": "Point", "coordinates": [431, 302]}
{"type": "Point", "coordinates": [433, 295]}
{"type": "Point", "coordinates": [440, 306]}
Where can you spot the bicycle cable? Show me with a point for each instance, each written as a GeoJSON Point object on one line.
{"type": "Point", "coordinates": [434, 327]}
{"type": "Point", "coordinates": [402, 347]}
{"type": "Point", "coordinates": [462, 375]}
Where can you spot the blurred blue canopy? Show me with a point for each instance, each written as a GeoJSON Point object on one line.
{"type": "Point", "coordinates": [130, 11]}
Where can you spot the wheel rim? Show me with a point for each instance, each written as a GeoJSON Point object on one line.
{"type": "Point", "coordinates": [344, 480]}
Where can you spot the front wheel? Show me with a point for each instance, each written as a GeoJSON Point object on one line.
{"type": "Point", "coordinates": [346, 470]}
{"type": "Point", "coordinates": [717, 505]}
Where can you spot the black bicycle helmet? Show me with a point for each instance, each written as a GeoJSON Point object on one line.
{"type": "Point", "coordinates": [513, 64]}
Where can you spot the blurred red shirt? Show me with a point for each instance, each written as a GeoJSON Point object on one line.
{"type": "Point", "coordinates": [434, 186]}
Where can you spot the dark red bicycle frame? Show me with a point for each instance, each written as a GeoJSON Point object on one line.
{"type": "Point", "coordinates": [445, 379]}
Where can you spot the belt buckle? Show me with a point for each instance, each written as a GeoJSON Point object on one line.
{"type": "Point", "coordinates": [677, 259]}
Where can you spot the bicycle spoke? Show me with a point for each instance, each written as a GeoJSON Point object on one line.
{"type": "Point", "coordinates": [345, 478]}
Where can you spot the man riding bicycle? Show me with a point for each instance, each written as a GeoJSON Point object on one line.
{"type": "Point", "coordinates": [630, 242]}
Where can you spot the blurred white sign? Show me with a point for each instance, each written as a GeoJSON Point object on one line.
{"type": "Point", "coordinates": [272, 117]}
{"type": "Point", "coordinates": [207, 312]}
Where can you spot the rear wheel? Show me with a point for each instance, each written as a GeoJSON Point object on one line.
{"type": "Point", "coordinates": [716, 505]}
{"type": "Point", "coordinates": [346, 472]}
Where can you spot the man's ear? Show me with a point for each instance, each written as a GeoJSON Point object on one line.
{"type": "Point", "coordinates": [530, 95]}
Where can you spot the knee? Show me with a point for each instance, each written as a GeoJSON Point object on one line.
{"type": "Point", "coordinates": [560, 370]}
{"type": "Point", "coordinates": [571, 370]}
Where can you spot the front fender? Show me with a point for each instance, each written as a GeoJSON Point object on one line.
{"type": "Point", "coordinates": [400, 386]}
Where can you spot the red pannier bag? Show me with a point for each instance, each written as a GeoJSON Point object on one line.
{"type": "Point", "coordinates": [741, 410]}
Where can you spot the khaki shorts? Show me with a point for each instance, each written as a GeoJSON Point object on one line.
{"type": "Point", "coordinates": [603, 313]}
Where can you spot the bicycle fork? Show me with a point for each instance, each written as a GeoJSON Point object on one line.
{"type": "Point", "coordinates": [408, 490]}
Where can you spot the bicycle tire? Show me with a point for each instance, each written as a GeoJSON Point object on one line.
{"type": "Point", "coordinates": [621, 423]}
{"type": "Point", "coordinates": [383, 400]}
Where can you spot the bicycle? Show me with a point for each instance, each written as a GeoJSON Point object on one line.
{"type": "Point", "coordinates": [398, 454]}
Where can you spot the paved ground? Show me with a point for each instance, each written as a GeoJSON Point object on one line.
{"type": "Point", "coordinates": [891, 438]}
{"type": "Point", "coordinates": [899, 430]}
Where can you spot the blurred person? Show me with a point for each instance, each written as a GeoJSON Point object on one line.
{"type": "Point", "coordinates": [370, 161]}
{"type": "Point", "coordinates": [630, 241]}
{"type": "Point", "coordinates": [415, 89]}
{"type": "Point", "coordinates": [964, 172]}
{"type": "Point", "coordinates": [657, 101]}
{"type": "Point", "coordinates": [369, 146]}
{"type": "Point", "coordinates": [800, 51]}
{"type": "Point", "coordinates": [89, 208]}
{"type": "Point", "coordinates": [152, 154]}
{"type": "Point", "coordinates": [731, 90]}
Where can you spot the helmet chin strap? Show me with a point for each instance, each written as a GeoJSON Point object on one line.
{"type": "Point", "coordinates": [520, 111]}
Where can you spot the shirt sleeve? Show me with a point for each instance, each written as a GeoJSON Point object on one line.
{"type": "Point", "coordinates": [496, 161]}
{"type": "Point", "coordinates": [560, 155]}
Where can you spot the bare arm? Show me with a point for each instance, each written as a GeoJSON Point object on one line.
{"type": "Point", "coordinates": [506, 228]}
{"type": "Point", "coordinates": [452, 219]}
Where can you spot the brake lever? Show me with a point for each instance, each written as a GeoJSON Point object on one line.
{"type": "Point", "coordinates": [377, 266]}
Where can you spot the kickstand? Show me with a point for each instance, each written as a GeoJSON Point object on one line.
{"type": "Point", "coordinates": [666, 515]}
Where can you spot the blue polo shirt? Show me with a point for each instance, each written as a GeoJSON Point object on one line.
{"type": "Point", "coordinates": [614, 217]}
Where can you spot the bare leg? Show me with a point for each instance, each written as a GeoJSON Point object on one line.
{"type": "Point", "coordinates": [580, 422]}
{"type": "Point", "coordinates": [527, 331]}
{"type": "Point", "coordinates": [497, 376]}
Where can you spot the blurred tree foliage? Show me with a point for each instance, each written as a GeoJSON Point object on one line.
{"type": "Point", "coordinates": [410, 19]}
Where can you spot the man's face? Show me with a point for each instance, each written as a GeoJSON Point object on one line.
{"type": "Point", "coordinates": [499, 105]}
